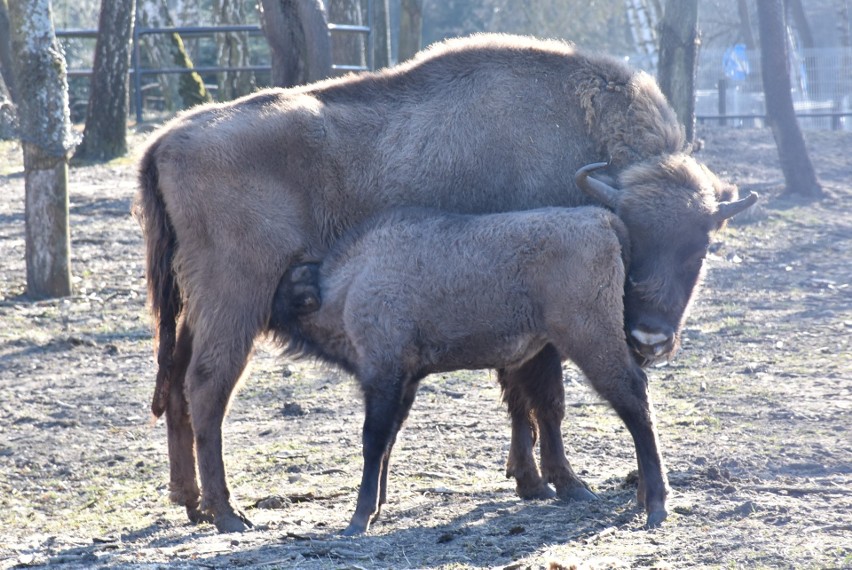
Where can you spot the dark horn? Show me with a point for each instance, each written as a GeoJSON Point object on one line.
{"type": "Point", "coordinates": [600, 191]}
{"type": "Point", "coordinates": [730, 209]}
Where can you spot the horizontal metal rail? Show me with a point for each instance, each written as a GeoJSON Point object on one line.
{"type": "Point", "coordinates": [136, 72]}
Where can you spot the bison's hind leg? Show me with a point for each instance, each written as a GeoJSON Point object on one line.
{"type": "Point", "coordinates": [521, 461]}
{"type": "Point", "coordinates": [539, 382]}
{"type": "Point", "coordinates": [220, 352]}
{"type": "Point", "coordinates": [183, 482]}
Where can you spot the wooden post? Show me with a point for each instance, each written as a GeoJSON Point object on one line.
{"type": "Point", "coordinates": [722, 87]}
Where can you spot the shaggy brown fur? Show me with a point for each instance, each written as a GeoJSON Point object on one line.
{"type": "Point", "coordinates": [231, 194]}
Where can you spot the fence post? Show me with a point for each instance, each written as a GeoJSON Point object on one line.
{"type": "Point", "coordinates": [371, 38]}
{"type": "Point", "coordinates": [836, 120]}
{"type": "Point", "coordinates": [722, 86]}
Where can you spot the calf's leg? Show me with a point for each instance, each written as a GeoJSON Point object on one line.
{"type": "Point", "coordinates": [405, 407]}
{"type": "Point", "coordinates": [383, 403]}
{"type": "Point", "coordinates": [624, 385]}
{"type": "Point", "coordinates": [653, 483]}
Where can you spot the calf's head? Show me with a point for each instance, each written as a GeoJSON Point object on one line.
{"type": "Point", "coordinates": [671, 207]}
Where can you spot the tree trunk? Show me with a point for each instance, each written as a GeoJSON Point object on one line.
{"type": "Point", "coordinates": [347, 48]}
{"type": "Point", "coordinates": [105, 134]}
{"type": "Point", "coordinates": [679, 60]}
{"type": "Point", "coordinates": [806, 42]}
{"type": "Point", "coordinates": [795, 163]}
{"type": "Point", "coordinates": [8, 114]}
{"type": "Point", "coordinates": [643, 18]}
{"type": "Point", "coordinates": [410, 28]}
{"type": "Point", "coordinates": [232, 50]}
{"type": "Point", "coordinates": [297, 32]}
{"type": "Point", "coordinates": [6, 52]}
{"type": "Point", "coordinates": [381, 34]}
{"type": "Point", "coordinates": [180, 90]}
{"type": "Point", "coordinates": [46, 140]}
{"type": "Point", "coordinates": [746, 33]}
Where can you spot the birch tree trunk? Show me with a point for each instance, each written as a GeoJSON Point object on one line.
{"type": "Point", "coordinates": [643, 16]}
{"type": "Point", "coordinates": [232, 50]}
{"type": "Point", "coordinates": [410, 28]}
{"type": "Point", "coordinates": [8, 114]}
{"type": "Point", "coordinates": [796, 165]}
{"type": "Point", "coordinates": [6, 52]}
{"type": "Point", "coordinates": [746, 34]}
{"type": "Point", "coordinates": [181, 90]}
{"type": "Point", "coordinates": [105, 134]}
{"type": "Point", "coordinates": [46, 139]}
{"type": "Point", "coordinates": [679, 60]}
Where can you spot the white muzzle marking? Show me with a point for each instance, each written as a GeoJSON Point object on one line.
{"type": "Point", "coordinates": [650, 339]}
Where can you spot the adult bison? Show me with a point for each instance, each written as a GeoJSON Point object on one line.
{"type": "Point", "coordinates": [234, 193]}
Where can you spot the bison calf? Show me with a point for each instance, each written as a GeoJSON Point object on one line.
{"type": "Point", "coordinates": [414, 292]}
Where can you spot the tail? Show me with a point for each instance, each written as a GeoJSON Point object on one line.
{"type": "Point", "coordinates": [164, 296]}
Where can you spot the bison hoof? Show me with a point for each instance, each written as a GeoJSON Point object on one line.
{"type": "Point", "coordinates": [197, 516]}
{"type": "Point", "coordinates": [540, 493]}
{"type": "Point", "coordinates": [354, 529]}
{"type": "Point", "coordinates": [656, 518]}
{"type": "Point", "coordinates": [236, 522]}
{"type": "Point", "coordinates": [579, 493]}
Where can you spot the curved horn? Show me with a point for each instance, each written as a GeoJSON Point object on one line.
{"type": "Point", "coordinates": [600, 191]}
{"type": "Point", "coordinates": [730, 209]}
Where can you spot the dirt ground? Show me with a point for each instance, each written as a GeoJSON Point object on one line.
{"type": "Point", "coordinates": [754, 416]}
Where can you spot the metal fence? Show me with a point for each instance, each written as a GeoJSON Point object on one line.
{"type": "Point", "coordinates": [138, 72]}
{"type": "Point", "coordinates": [729, 87]}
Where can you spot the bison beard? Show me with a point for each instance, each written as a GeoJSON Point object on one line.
{"type": "Point", "coordinates": [231, 194]}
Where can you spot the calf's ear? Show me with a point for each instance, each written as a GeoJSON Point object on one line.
{"type": "Point", "coordinates": [624, 240]}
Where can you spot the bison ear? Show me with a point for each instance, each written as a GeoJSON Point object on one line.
{"type": "Point", "coordinates": [600, 191]}
{"type": "Point", "coordinates": [730, 209]}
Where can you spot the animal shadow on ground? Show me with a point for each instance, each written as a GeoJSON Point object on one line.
{"type": "Point", "coordinates": [513, 532]}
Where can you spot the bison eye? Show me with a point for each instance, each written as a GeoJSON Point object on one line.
{"type": "Point", "coordinates": [694, 260]}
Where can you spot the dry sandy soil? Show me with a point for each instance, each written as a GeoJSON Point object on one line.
{"type": "Point", "coordinates": [754, 416]}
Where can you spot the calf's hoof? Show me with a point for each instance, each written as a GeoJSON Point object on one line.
{"type": "Point", "coordinates": [656, 518]}
{"type": "Point", "coordinates": [236, 522]}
